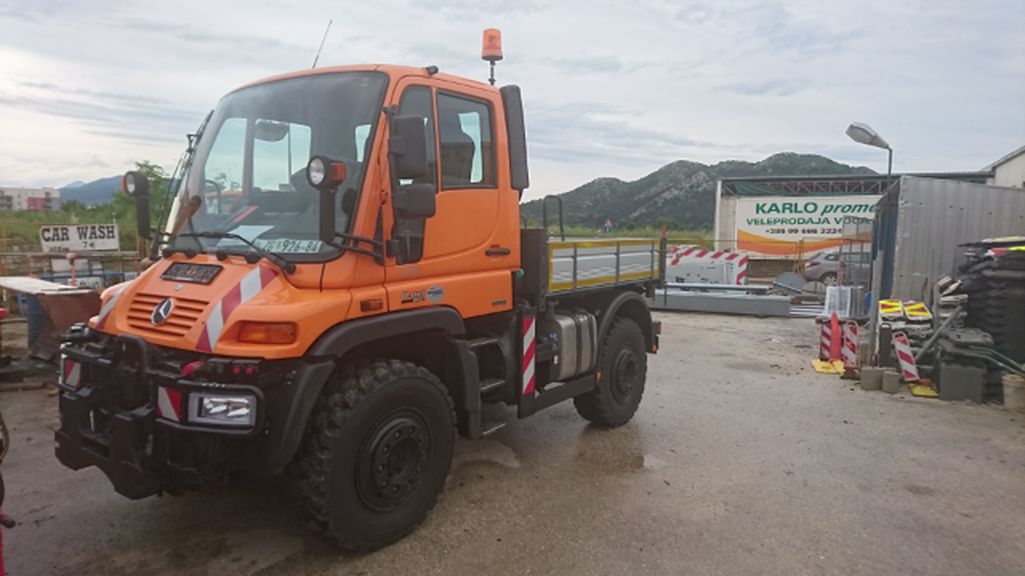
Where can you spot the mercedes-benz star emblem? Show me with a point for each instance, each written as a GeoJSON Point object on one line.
{"type": "Point", "coordinates": [162, 312]}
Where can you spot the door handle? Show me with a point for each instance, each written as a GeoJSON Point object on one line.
{"type": "Point", "coordinates": [497, 251]}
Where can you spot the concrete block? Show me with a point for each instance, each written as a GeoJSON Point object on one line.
{"type": "Point", "coordinates": [891, 382]}
{"type": "Point", "coordinates": [871, 378]}
{"type": "Point", "coordinates": [961, 382]}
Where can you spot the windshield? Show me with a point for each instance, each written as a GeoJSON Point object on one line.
{"type": "Point", "coordinates": [248, 177]}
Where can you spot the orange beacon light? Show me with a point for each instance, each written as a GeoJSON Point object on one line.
{"type": "Point", "coordinates": [492, 45]}
{"type": "Point", "coordinates": [491, 49]}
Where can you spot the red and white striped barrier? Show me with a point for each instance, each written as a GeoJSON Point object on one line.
{"type": "Point", "coordinates": [825, 342]}
{"type": "Point", "coordinates": [902, 346]}
{"type": "Point", "coordinates": [850, 345]}
{"type": "Point", "coordinates": [697, 265]}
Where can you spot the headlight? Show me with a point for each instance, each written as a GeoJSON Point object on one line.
{"type": "Point", "coordinates": [222, 410]}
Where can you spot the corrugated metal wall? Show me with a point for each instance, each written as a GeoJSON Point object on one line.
{"type": "Point", "coordinates": [934, 216]}
{"type": "Point", "coordinates": [726, 233]}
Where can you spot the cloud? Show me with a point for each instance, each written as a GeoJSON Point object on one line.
{"type": "Point", "coordinates": [769, 87]}
{"type": "Point", "coordinates": [592, 64]}
{"type": "Point", "coordinates": [219, 38]}
{"type": "Point", "coordinates": [463, 8]}
{"type": "Point", "coordinates": [123, 116]}
{"type": "Point", "coordinates": [611, 88]}
{"type": "Point", "coordinates": [583, 132]}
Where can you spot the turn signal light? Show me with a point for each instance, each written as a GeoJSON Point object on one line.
{"type": "Point", "coordinates": [267, 332]}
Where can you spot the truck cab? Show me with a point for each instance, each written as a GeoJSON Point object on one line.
{"type": "Point", "coordinates": [342, 285]}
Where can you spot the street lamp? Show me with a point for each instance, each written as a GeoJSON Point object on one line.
{"type": "Point", "coordinates": [864, 134]}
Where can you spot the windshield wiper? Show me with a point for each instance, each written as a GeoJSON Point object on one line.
{"type": "Point", "coordinates": [285, 265]}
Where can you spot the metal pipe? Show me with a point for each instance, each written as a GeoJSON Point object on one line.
{"type": "Point", "coordinates": [936, 335]}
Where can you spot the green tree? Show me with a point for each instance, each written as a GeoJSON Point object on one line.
{"type": "Point", "coordinates": [73, 207]}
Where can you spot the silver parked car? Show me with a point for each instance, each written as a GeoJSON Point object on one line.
{"type": "Point", "coordinates": [825, 266]}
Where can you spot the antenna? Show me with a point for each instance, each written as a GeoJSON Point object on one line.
{"type": "Point", "coordinates": [317, 57]}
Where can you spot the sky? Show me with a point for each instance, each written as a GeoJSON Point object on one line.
{"type": "Point", "coordinates": [610, 88]}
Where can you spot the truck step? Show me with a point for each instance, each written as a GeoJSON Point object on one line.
{"type": "Point", "coordinates": [489, 428]}
{"type": "Point", "coordinates": [481, 342]}
{"type": "Point", "coordinates": [489, 385]}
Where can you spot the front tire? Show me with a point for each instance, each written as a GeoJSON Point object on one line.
{"type": "Point", "coordinates": [376, 453]}
{"type": "Point", "coordinates": [622, 370]}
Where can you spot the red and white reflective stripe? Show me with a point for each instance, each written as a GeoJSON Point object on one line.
{"type": "Point", "coordinates": [825, 342]}
{"type": "Point", "coordinates": [850, 345]}
{"type": "Point", "coordinates": [529, 343]}
{"type": "Point", "coordinates": [72, 372]}
{"type": "Point", "coordinates": [108, 306]}
{"type": "Point", "coordinates": [902, 346]}
{"type": "Point", "coordinates": [742, 273]}
{"type": "Point", "coordinates": [169, 404]}
{"type": "Point", "coordinates": [251, 285]}
{"type": "Point", "coordinates": [681, 252]}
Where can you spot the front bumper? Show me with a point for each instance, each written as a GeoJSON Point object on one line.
{"type": "Point", "coordinates": [124, 408]}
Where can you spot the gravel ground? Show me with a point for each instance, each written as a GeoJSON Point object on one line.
{"type": "Point", "coordinates": [741, 460]}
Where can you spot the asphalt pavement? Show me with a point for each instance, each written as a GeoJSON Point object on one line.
{"type": "Point", "coordinates": [741, 460]}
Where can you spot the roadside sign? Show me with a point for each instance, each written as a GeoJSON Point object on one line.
{"type": "Point", "coordinates": [784, 226]}
{"type": "Point", "coordinates": [75, 237]}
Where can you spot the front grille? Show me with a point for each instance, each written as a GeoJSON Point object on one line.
{"type": "Point", "coordinates": [183, 317]}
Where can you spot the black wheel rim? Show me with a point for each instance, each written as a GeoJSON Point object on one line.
{"type": "Point", "coordinates": [625, 375]}
{"type": "Point", "coordinates": [393, 460]}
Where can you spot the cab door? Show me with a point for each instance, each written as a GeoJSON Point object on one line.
{"type": "Point", "coordinates": [466, 252]}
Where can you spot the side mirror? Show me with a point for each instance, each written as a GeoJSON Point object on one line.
{"type": "Point", "coordinates": [136, 185]}
{"type": "Point", "coordinates": [408, 147]}
{"type": "Point", "coordinates": [415, 201]}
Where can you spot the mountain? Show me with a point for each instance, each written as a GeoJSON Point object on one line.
{"type": "Point", "coordinates": [75, 184]}
{"type": "Point", "coordinates": [680, 194]}
{"type": "Point", "coordinates": [93, 193]}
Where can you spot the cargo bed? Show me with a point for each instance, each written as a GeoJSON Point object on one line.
{"type": "Point", "coordinates": [587, 262]}
{"type": "Point", "coordinates": [561, 267]}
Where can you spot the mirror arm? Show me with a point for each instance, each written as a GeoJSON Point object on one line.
{"type": "Point", "coordinates": [327, 215]}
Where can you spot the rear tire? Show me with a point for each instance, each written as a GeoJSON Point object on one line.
{"type": "Point", "coordinates": [376, 453]}
{"type": "Point", "coordinates": [828, 279]}
{"type": "Point", "coordinates": [622, 370]}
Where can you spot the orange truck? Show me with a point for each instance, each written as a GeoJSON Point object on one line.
{"type": "Point", "coordinates": [342, 286]}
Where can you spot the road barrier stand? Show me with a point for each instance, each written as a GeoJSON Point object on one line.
{"type": "Point", "coordinates": [902, 346]}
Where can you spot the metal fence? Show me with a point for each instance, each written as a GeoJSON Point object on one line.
{"type": "Point", "coordinates": [855, 271]}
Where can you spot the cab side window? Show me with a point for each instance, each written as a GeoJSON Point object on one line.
{"type": "Point", "coordinates": [467, 147]}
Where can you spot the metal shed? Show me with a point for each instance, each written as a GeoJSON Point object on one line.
{"type": "Point", "coordinates": [921, 221]}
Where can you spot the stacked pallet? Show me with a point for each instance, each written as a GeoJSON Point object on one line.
{"type": "Point", "coordinates": [994, 281]}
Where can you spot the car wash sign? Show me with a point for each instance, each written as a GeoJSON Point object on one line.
{"type": "Point", "coordinates": [786, 226]}
{"type": "Point", "coordinates": [78, 237]}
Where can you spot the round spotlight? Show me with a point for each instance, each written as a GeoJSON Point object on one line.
{"type": "Point", "coordinates": [316, 171]}
{"type": "Point", "coordinates": [135, 183]}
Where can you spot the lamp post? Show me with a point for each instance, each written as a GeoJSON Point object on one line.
{"type": "Point", "coordinates": [864, 134]}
